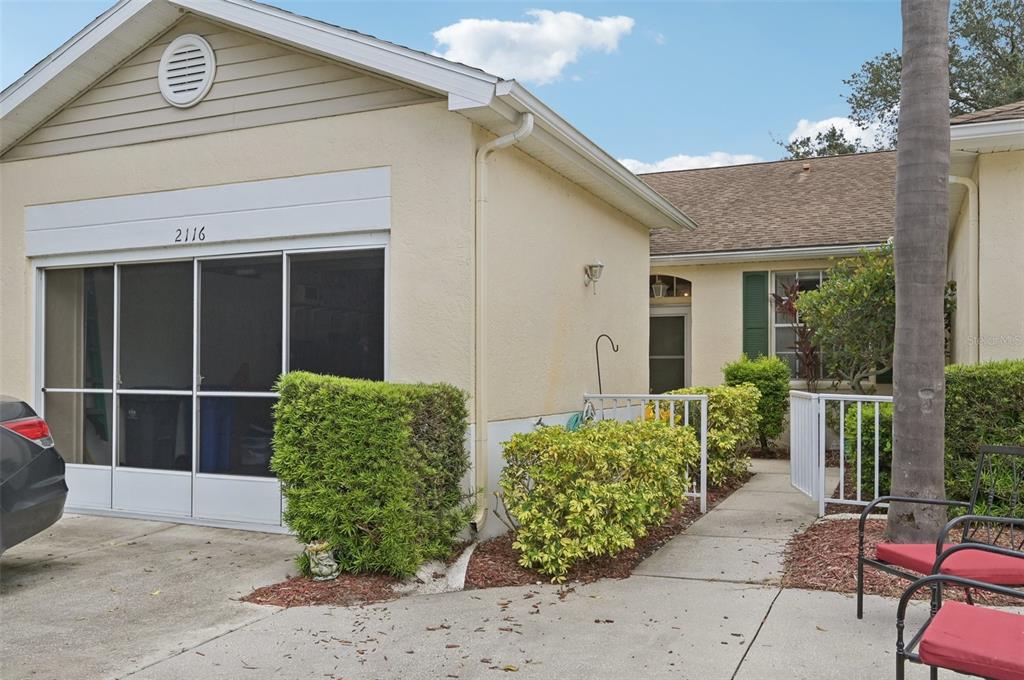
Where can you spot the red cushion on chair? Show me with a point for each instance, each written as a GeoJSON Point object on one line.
{"type": "Point", "coordinates": [975, 640]}
{"type": "Point", "coordinates": [979, 565]}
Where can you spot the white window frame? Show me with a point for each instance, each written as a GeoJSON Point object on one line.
{"type": "Point", "coordinates": [773, 288]}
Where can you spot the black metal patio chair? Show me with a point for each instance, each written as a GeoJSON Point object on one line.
{"type": "Point", "coordinates": [960, 637]}
{"type": "Point", "coordinates": [998, 482]}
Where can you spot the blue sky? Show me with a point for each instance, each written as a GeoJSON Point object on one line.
{"type": "Point", "coordinates": [704, 82]}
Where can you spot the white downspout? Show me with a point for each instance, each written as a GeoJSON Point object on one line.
{"type": "Point", "coordinates": [480, 411]}
{"type": "Point", "coordinates": [973, 239]}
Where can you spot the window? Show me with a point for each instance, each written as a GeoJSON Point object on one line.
{"type": "Point", "coordinates": [785, 323]}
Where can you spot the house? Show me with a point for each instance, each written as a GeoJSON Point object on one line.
{"type": "Point", "coordinates": [986, 244]}
{"type": "Point", "coordinates": [762, 226]}
{"type": "Point", "coordinates": [198, 195]}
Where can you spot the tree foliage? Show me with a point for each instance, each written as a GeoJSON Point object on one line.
{"type": "Point", "coordinates": [986, 67]}
{"type": "Point", "coordinates": [852, 316]}
{"type": "Point", "coordinates": [831, 142]}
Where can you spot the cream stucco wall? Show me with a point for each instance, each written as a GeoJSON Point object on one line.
{"type": "Point", "coordinates": [1000, 178]}
{"type": "Point", "coordinates": [543, 320]}
{"type": "Point", "coordinates": [958, 270]}
{"type": "Point", "coordinates": [716, 310]}
{"type": "Point", "coordinates": [543, 229]}
{"type": "Point", "coordinates": [1001, 255]}
{"type": "Point", "coordinates": [430, 153]}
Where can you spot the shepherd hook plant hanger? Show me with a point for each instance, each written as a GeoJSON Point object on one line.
{"type": "Point", "coordinates": [597, 355]}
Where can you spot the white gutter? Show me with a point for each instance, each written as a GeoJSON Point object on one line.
{"type": "Point", "coordinates": [997, 128]}
{"type": "Point", "coordinates": [762, 255]}
{"type": "Point", "coordinates": [511, 92]}
{"type": "Point", "coordinates": [973, 250]}
{"type": "Point", "coordinates": [480, 411]}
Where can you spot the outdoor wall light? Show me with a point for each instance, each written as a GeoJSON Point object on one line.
{"type": "Point", "coordinates": [659, 288]}
{"type": "Point", "coordinates": [593, 272]}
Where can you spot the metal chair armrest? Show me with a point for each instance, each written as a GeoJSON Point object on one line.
{"type": "Point", "coordinates": [936, 581]}
{"type": "Point", "coordinates": [984, 547]}
{"type": "Point", "coordinates": [956, 521]}
{"type": "Point", "coordinates": [899, 499]}
{"type": "Point", "coordinates": [953, 580]}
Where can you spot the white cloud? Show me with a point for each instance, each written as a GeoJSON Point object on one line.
{"type": "Point", "coordinates": [869, 137]}
{"type": "Point", "coordinates": [536, 51]}
{"type": "Point", "coordinates": [715, 159]}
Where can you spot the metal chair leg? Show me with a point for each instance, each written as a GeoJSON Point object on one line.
{"type": "Point", "coordinates": [860, 588]}
{"type": "Point", "coordinates": [934, 673]}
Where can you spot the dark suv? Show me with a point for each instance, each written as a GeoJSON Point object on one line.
{"type": "Point", "coordinates": [32, 487]}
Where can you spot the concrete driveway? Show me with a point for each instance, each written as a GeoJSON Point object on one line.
{"type": "Point", "coordinates": [98, 597]}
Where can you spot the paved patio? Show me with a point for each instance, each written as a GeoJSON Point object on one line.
{"type": "Point", "coordinates": [708, 605]}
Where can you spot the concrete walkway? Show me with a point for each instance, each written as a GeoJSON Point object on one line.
{"type": "Point", "coordinates": [743, 538]}
{"type": "Point", "coordinates": [707, 606]}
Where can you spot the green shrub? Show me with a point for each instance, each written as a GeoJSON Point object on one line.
{"type": "Point", "coordinates": [984, 403]}
{"type": "Point", "coordinates": [593, 491]}
{"type": "Point", "coordinates": [733, 419]}
{"type": "Point", "coordinates": [771, 377]}
{"type": "Point", "coordinates": [867, 435]}
{"type": "Point", "coordinates": [372, 468]}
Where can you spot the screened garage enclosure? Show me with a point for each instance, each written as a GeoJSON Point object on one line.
{"type": "Point", "coordinates": [158, 377]}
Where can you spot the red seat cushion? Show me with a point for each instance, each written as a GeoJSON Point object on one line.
{"type": "Point", "coordinates": [975, 640]}
{"type": "Point", "coordinates": [973, 564]}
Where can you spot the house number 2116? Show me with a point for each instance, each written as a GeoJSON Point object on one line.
{"type": "Point", "coordinates": [189, 234]}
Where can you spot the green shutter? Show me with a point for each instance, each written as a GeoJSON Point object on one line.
{"type": "Point", "coordinates": [755, 314]}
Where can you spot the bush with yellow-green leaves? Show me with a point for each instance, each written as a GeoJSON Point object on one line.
{"type": "Point", "coordinates": [733, 420]}
{"type": "Point", "coordinates": [576, 495]}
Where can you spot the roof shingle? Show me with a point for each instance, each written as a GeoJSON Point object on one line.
{"type": "Point", "coordinates": [836, 200]}
{"type": "Point", "coordinates": [1011, 111]}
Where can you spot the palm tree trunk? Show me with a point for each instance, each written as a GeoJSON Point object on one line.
{"type": "Point", "coordinates": [920, 253]}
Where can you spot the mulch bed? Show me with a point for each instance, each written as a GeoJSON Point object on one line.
{"type": "Point", "coordinates": [347, 589]}
{"type": "Point", "coordinates": [824, 557]}
{"type": "Point", "coordinates": [495, 563]}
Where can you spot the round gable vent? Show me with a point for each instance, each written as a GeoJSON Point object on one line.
{"type": "Point", "coordinates": [186, 71]}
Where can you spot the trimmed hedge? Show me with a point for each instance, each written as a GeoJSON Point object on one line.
{"type": "Point", "coordinates": [372, 468]}
{"type": "Point", "coordinates": [593, 491]}
{"type": "Point", "coordinates": [771, 377]}
{"type": "Point", "coordinates": [733, 419]}
{"type": "Point", "coordinates": [984, 405]}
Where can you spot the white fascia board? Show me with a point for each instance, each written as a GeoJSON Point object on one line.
{"type": "Point", "coordinates": [575, 142]}
{"type": "Point", "coordinates": [766, 255]}
{"type": "Point", "coordinates": [999, 135]}
{"type": "Point", "coordinates": [417, 68]}
{"type": "Point", "coordinates": [42, 73]}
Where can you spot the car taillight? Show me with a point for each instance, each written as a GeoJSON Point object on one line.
{"type": "Point", "coordinates": [34, 429]}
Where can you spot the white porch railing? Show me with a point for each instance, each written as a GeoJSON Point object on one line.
{"type": "Point", "coordinates": [634, 407]}
{"type": "Point", "coordinates": [809, 436]}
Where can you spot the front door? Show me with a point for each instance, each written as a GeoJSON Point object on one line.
{"type": "Point", "coordinates": [668, 352]}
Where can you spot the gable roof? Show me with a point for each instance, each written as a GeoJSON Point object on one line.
{"type": "Point", "coordinates": [814, 202]}
{"type": "Point", "coordinates": [1011, 111]}
{"type": "Point", "coordinates": [489, 101]}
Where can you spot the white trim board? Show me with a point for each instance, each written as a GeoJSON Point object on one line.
{"type": "Point", "coordinates": [766, 255]}
{"type": "Point", "coordinates": [330, 203]}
